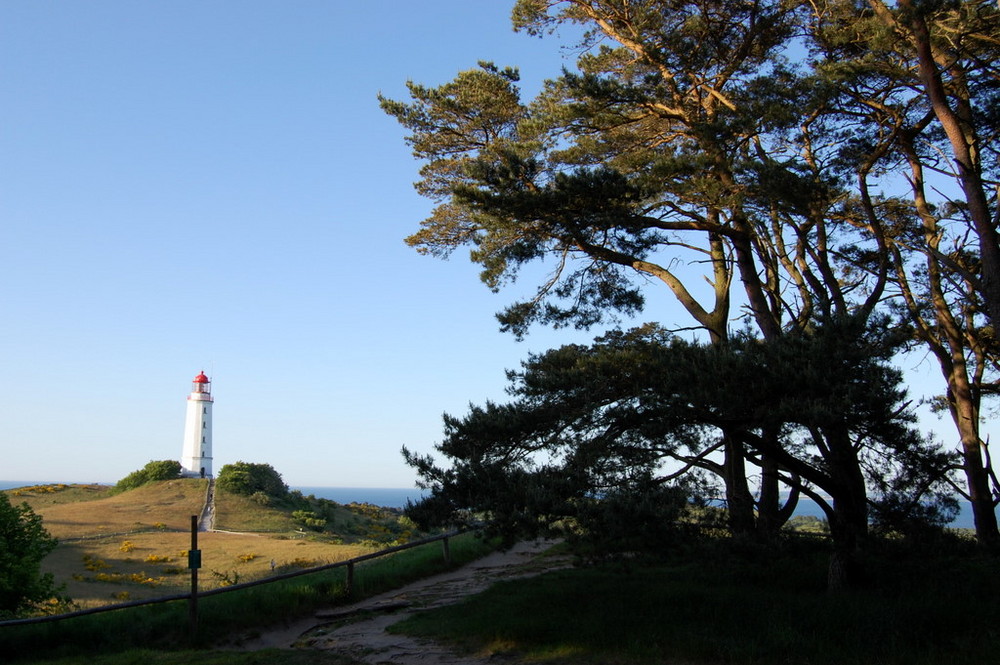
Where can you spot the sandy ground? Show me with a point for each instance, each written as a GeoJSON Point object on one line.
{"type": "Point", "coordinates": [359, 630]}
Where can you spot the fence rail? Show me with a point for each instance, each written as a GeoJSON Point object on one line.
{"type": "Point", "coordinates": [348, 563]}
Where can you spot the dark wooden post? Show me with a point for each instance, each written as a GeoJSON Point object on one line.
{"type": "Point", "coordinates": [194, 563]}
{"type": "Point", "coordinates": [350, 578]}
{"type": "Point", "coordinates": [446, 546]}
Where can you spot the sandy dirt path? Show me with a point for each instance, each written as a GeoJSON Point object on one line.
{"type": "Point", "coordinates": [359, 630]}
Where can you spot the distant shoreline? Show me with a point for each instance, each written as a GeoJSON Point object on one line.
{"type": "Point", "coordinates": [397, 497]}
{"type": "Point", "coordinates": [388, 497]}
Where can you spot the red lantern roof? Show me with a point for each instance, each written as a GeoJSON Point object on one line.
{"type": "Point", "coordinates": [201, 378]}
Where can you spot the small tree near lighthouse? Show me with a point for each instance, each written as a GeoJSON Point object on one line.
{"type": "Point", "coordinates": [196, 456]}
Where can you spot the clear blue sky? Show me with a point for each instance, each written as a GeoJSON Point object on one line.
{"type": "Point", "coordinates": [211, 185]}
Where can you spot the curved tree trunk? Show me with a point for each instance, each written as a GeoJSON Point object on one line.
{"type": "Point", "coordinates": [849, 522]}
{"type": "Point", "coordinates": [739, 500]}
{"type": "Point", "coordinates": [960, 130]}
{"type": "Point", "coordinates": [948, 341]}
{"type": "Point", "coordinates": [955, 117]}
{"type": "Point", "coordinates": [771, 515]}
{"type": "Point", "coordinates": [966, 418]}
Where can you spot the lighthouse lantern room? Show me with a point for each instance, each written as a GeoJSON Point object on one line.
{"type": "Point", "coordinates": [196, 458]}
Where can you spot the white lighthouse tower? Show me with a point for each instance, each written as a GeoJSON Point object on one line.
{"type": "Point", "coordinates": [196, 459]}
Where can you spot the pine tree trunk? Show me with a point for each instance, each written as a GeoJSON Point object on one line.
{"type": "Point", "coordinates": [739, 500]}
{"type": "Point", "coordinates": [849, 525]}
{"type": "Point", "coordinates": [976, 476]}
{"type": "Point", "coordinates": [959, 127]}
{"type": "Point", "coordinates": [849, 528]}
{"type": "Point", "coordinates": [948, 340]}
{"type": "Point", "coordinates": [770, 515]}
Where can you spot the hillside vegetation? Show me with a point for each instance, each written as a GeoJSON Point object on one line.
{"type": "Point", "coordinates": [133, 545]}
{"type": "Point", "coordinates": [86, 511]}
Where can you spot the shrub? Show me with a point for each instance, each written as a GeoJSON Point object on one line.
{"type": "Point", "coordinates": [159, 558]}
{"type": "Point", "coordinates": [628, 522]}
{"type": "Point", "coordinates": [249, 479]}
{"type": "Point", "coordinates": [226, 578]}
{"type": "Point", "coordinates": [24, 542]}
{"type": "Point", "coordinates": [808, 524]}
{"type": "Point", "coordinates": [123, 578]}
{"type": "Point", "coordinates": [260, 499]}
{"type": "Point", "coordinates": [309, 519]}
{"type": "Point", "coordinates": [161, 470]}
{"type": "Point", "coordinates": [93, 565]}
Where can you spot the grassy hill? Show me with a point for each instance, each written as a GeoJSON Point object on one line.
{"type": "Point", "coordinates": [86, 511]}
{"type": "Point", "coordinates": [134, 545]}
{"type": "Point", "coordinates": [313, 518]}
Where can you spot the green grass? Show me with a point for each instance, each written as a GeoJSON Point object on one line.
{"type": "Point", "coordinates": [711, 602]}
{"type": "Point", "coordinates": [92, 526]}
{"type": "Point", "coordinates": [235, 512]}
{"type": "Point", "coordinates": [229, 615]}
{"type": "Point", "coordinates": [351, 523]}
{"type": "Point", "coordinates": [765, 612]}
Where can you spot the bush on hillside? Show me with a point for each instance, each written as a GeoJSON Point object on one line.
{"type": "Point", "coordinates": [248, 479]}
{"type": "Point", "coordinates": [156, 470]}
{"type": "Point", "coordinates": [24, 542]}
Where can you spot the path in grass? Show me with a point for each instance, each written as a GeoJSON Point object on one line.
{"type": "Point", "coordinates": [207, 521]}
{"type": "Point", "coordinates": [359, 630]}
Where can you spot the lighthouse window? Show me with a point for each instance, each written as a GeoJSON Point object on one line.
{"type": "Point", "coordinates": [203, 439]}
{"type": "Point", "coordinates": [204, 409]}
{"type": "Point", "coordinates": [204, 425]}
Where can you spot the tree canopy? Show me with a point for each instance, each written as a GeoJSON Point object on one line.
{"type": "Point", "coordinates": [644, 408]}
{"type": "Point", "coordinates": [24, 542]}
{"type": "Point", "coordinates": [775, 151]}
{"type": "Point", "coordinates": [248, 478]}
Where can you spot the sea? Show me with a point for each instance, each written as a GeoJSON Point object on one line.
{"type": "Point", "coordinates": [388, 497]}
{"type": "Point", "coordinates": [396, 497]}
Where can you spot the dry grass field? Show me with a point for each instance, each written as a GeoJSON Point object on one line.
{"type": "Point", "coordinates": [86, 511]}
{"type": "Point", "coordinates": [134, 545]}
{"type": "Point", "coordinates": [238, 513]}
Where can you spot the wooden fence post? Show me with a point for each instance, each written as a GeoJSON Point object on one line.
{"type": "Point", "coordinates": [194, 563]}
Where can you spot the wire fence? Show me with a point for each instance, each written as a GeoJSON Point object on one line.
{"type": "Point", "coordinates": [192, 597]}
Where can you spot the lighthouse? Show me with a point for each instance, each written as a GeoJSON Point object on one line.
{"type": "Point", "coordinates": [196, 458]}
